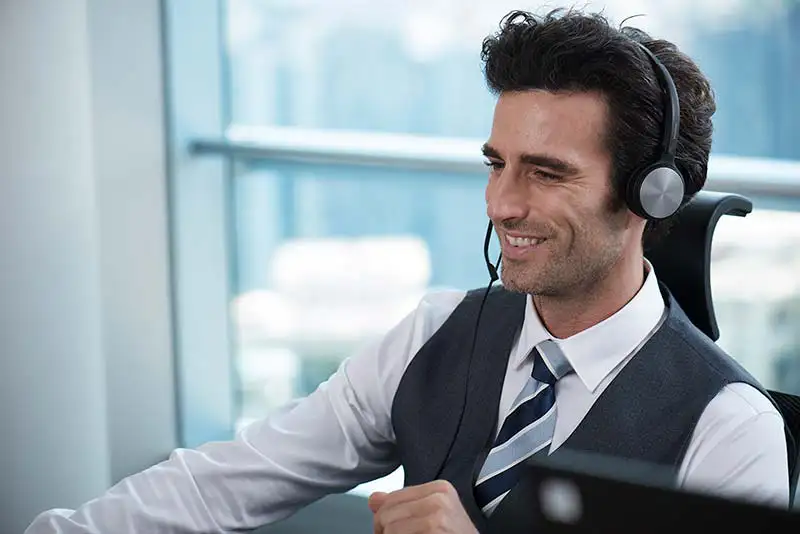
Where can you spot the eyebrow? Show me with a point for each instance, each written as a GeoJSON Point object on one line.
{"type": "Point", "coordinates": [539, 160]}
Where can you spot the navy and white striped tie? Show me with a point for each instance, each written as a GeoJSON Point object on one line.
{"type": "Point", "coordinates": [527, 429]}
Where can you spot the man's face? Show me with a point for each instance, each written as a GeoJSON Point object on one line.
{"type": "Point", "coordinates": [549, 193]}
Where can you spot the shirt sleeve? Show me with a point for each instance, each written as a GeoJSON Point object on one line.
{"type": "Point", "coordinates": [738, 449]}
{"type": "Point", "coordinates": [337, 437]}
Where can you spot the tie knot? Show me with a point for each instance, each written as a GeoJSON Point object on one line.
{"type": "Point", "coordinates": [549, 363]}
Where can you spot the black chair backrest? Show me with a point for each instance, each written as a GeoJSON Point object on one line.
{"type": "Point", "coordinates": [682, 261]}
{"type": "Point", "coordinates": [682, 258]}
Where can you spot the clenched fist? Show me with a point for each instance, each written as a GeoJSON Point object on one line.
{"type": "Point", "coordinates": [432, 508]}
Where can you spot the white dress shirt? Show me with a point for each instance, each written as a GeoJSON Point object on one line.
{"type": "Point", "coordinates": [341, 435]}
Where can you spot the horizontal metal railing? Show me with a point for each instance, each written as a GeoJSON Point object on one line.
{"type": "Point", "coordinates": [747, 176]}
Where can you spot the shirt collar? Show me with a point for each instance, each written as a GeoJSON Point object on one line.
{"type": "Point", "coordinates": [595, 352]}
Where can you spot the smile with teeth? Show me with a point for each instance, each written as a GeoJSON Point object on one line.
{"type": "Point", "coordinates": [523, 241]}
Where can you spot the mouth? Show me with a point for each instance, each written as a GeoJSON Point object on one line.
{"type": "Point", "coordinates": [517, 247]}
{"type": "Point", "coordinates": [520, 242]}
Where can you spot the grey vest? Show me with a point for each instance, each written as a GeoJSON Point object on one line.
{"type": "Point", "coordinates": [648, 413]}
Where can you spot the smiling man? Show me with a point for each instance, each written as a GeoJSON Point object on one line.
{"type": "Point", "coordinates": [567, 238]}
{"type": "Point", "coordinates": [581, 348]}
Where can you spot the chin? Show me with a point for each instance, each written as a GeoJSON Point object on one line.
{"type": "Point", "coordinates": [518, 281]}
{"type": "Point", "coordinates": [534, 279]}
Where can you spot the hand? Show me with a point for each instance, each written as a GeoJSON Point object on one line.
{"type": "Point", "coordinates": [432, 508]}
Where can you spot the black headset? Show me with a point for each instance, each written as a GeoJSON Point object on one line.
{"type": "Point", "coordinates": [658, 190]}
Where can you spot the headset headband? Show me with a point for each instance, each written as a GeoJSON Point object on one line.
{"type": "Point", "coordinates": [672, 109]}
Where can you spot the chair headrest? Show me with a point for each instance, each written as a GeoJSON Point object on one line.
{"type": "Point", "coordinates": [682, 258]}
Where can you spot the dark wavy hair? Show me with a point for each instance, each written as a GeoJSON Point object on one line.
{"type": "Point", "coordinates": [569, 51]}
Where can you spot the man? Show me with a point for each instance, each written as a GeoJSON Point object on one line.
{"type": "Point", "coordinates": [581, 349]}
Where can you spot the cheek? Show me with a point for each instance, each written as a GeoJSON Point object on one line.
{"type": "Point", "coordinates": [572, 217]}
{"type": "Point", "coordinates": [590, 228]}
{"type": "Point", "coordinates": [603, 233]}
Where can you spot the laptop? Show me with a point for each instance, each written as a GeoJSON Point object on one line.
{"type": "Point", "coordinates": [579, 493]}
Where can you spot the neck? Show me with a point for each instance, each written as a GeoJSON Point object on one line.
{"type": "Point", "coordinates": [565, 316]}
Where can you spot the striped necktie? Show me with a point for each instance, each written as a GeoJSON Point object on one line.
{"type": "Point", "coordinates": [527, 429]}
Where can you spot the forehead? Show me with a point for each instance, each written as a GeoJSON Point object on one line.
{"type": "Point", "coordinates": [568, 125]}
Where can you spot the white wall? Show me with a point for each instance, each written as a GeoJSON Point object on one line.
{"type": "Point", "coordinates": [131, 190]}
{"type": "Point", "coordinates": [86, 382]}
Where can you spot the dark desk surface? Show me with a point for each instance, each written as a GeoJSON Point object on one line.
{"type": "Point", "coordinates": [336, 514]}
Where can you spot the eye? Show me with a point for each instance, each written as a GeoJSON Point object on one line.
{"type": "Point", "coordinates": [494, 165]}
{"type": "Point", "coordinates": [550, 177]}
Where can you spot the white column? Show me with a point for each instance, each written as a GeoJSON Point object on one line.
{"type": "Point", "coordinates": [53, 430]}
{"type": "Point", "coordinates": [129, 149]}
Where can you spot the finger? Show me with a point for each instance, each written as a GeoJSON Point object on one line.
{"type": "Point", "coordinates": [414, 525]}
{"type": "Point", "coordinates": [415, 493]}
{"type": "Point", "coordinates": [433, 504]}
{"type": "Point", "coordinates": [376, 500]}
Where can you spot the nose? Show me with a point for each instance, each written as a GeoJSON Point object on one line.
{"type": "Point", "coordinates": [506, 198]}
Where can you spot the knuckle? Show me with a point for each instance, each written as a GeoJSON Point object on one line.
{"type": "Point", "coordinates": [443, 500]}
{"type": "Point", "coordinates": [444, 486]}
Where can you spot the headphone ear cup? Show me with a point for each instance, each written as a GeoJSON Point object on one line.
{"type": "Point", "coordinates": [656, 192]}
{"type": "Point", "coordinates": [632, 196]}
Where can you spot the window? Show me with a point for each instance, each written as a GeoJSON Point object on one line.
{"type": "Point", "coordinates": [345, 143]}
{"type": "Point", "coordinates": [320, 246]}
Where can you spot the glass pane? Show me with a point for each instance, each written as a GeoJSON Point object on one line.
{"type": "Point", "coordinates": [330, 256]}
{"type": "Point", "coordinates": [755, 279]}
{"type": "Point", "coordinates": [414, 66]}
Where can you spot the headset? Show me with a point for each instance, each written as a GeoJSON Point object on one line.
{"type": "Point", "coordinates": [658, 190]}
{"type": "Point", "coordinates": [653, 192]}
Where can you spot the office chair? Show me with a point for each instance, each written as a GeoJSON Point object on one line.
{"type": "Point", "coordinates": [682, 261]}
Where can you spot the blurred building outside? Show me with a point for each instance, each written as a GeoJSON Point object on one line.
{"type": "Point", "coordinates": [305, 298]}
